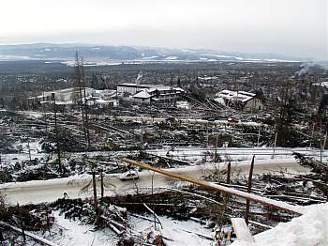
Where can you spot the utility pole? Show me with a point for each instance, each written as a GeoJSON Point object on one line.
{"type": "Point", "coordinates": [116, 97]}
{"type": "Point", "coordinates": [258, 137]}
{"type": "Point", "coordinates": [56, 132]}
{"type": "Point", "coordinates": [249, 188]}
{"type": "Point", "coordinates": [229, 172]}
{"type": "Point", "coordinates": [312, 133]}
{"type": "Point", "coordinates": [274, 145]}
{"type": "Point", "coordinates": [206, 134]}
{"type": "Point", "coordinates": [323, 145]}
{"type": "Point", "coordinates": [44, 111]}
{"type": "Point", "coordinates": [29, 149]}
{"type": "Point", "coordinates": [216, 148]}
{"type": "Point", "coordinates": [83, 100]}
{"type": "Point", "coordinates": [86, 121]}
{"type": "Point", "coordinates": [101, 183]}
{"type": "Point", "coordinates": [94, 184]}
{"type": "Point", "coordinates": [152, 193]}
{"type": "Point", "coordinates": [77, 81]}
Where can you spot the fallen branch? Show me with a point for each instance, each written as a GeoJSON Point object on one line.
{"type": "Point", "coordinates": [152, 211]}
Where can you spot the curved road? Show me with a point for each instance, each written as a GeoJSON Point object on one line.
{"type": "Point", "coordinates": [50, 190]}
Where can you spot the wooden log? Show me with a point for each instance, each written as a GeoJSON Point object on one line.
{"type": "Point", "coordinates": [242, 231]}
{"type": "Point", "coordinates": [197, 195]}
{"type": "Point", "coordinates": [199, 234]}
{"type": "Point", "coordinates": [141, 217]}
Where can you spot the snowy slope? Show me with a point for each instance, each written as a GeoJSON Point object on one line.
{"type": "Point", "coordinates": [308, 229]}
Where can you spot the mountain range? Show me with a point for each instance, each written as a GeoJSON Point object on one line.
{"type": "Point", "coordinates": [66, 52]}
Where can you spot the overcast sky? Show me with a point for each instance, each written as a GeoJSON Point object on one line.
{"type": "Point", "coordinates": [289, 27]}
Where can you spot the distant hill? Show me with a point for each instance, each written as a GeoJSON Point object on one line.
{"type": "Point", "coordinates": [64, 52]}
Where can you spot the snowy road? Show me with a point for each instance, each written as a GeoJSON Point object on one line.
{"type": "Point", "coordinates": [50, 190]}
{"type": "Point", "coordinates": [189, 153]}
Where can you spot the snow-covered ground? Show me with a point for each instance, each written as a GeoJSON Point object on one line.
{"type": "Point", "coordinates": [34, 146]}
{"type": "Point", "coordinates": [306, 230]}
{"type": "Point", "coordinates": [310, 229]}
{"type": "Point", "coordinates": [76, 233]}
{"type": "Point", "coordinates": [178, 233]}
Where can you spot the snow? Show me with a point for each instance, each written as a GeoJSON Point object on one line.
{"type": "Point", "coordinates": [308, 229]}
{"type": "Point", "coordinates": [31, 114]}
{"type": "Point", "coordinates": [323, 84]}
{"type": "Point", "coordinates": [194, 153]}
{"type": "Point", "coordinates": [207, 77]}
{"type": "Point", "coordinates": [241, 229]}
{"type": "Point", "coordinates": [171, 58]}
{"type": "Point", "coordinates": [77, 233]}
{"type": "Point", "coordinates": [14, 58]}
{"type": "Point", "coordinates": [183, 104]}
{"type": "Point", "coordinates": [149, 57]}
{"type": "Point", "coordinates": [220, 100]}
{"type": "Point", "coordinates": [242, 96]}
{"type": "Point", "coordinates": [178, 232]}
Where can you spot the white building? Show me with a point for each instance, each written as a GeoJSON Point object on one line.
{"type": "Point", "coordinates": [68, 97]}
{"type": "Point", "coordinates": [240, 100]}
{"type": "Point", "coordinates": [131, 88]}
{"type": "Point", "coordinates": [147, 94]}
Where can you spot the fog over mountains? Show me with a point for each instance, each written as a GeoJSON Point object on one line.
{"type": "Point", "coordinates": [46, 51]}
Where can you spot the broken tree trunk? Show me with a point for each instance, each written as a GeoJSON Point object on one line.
{"type": "Point", "coordinates": [217, 187]}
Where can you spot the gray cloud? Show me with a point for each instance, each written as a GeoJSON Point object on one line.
{"type": "Point", "coordinates": [293, 27]}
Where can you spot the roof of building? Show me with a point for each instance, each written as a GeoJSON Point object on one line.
{"type": "Point", "coordinates": [242, 96]}
{"type": "Point", "coordinates": [142, 95]}
{"type": "Point", "coordinates": [136, 85]}
{"type": "Point", "coordinates": [160, 91]}
{"type": "Point", "coordinates": [151, 87]}
{"type": "Point", "coordinates": [165, 88]}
